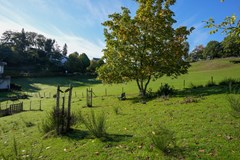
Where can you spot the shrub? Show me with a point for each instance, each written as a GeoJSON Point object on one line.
{"type": "Point", "coordinates": [96, 124]}
{"type": "Point", "coordinates": [234, 102]}
{"type": "Point", "coordinates": [51, 123]}
{"type": "Point", "coordinates": [163, 139]}
{"type": "Point", "coordinates": [165, 90]}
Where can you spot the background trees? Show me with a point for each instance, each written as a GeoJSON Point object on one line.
{"type": "Point", "coordinates": [35, 52]}
{"type": "Point", "coordinates": [144, 47]}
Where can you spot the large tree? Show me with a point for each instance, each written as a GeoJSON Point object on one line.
{"type": "Point", "coordinates": [213, 50]}
{"type": "Point", "coordinates": [144, 47]}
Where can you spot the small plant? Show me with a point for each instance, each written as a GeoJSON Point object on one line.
{"type": "Point", "coordinates": [165, 90]}
{"type": "Point", "coordinates": [96, 124]}
{"type": "Point", "coordinates": [234, 102]}
{"type": "Point", "coordinates": [163, 139]}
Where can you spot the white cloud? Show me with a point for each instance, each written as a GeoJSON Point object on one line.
{"type": "Point", "coordinates": [14, 19]}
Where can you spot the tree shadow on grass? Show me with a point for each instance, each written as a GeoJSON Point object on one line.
{"type": "Point", "coordinates": [203, 91]}
{"type": "Point", "coordinates": [76, 134]}
{"type": "Point", "coordinates": [76, 81]}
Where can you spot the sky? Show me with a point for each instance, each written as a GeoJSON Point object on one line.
{"type": "Point", "coordinates": [78, 22]}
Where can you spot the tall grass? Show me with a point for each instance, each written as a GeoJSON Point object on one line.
{"type": "Point", "coordinates": [96, 124]}
{"type": "Point", "coordinates": [163, 139]}
{"type": "Point", "coordinates": [234, 101]}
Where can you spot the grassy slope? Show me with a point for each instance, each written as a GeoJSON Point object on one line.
{"type": "Point", "coordinates": [203, 130]}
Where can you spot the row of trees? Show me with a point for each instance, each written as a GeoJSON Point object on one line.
{"type": "Point", "coordinates": [34, 51]}
{"type": "Point", "coordinates": [229, 47]}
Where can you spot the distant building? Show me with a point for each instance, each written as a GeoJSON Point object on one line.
{"type": "Point", "coordinates": [4, 80]}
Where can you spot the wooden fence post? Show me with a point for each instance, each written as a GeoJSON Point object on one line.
{"type": "Point", "coordinates": [57, 109]}
{"type": "Point", "coordinates": [40, 107]}
{"type": "Point", "coordinates": [69, 107]}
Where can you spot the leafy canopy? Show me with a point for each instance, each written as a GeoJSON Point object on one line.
{"type": "Point", "coordinates": [145, 46]}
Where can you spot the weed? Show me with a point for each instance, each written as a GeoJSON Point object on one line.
{"type": "Point", "coordinates": [96, 124]}
{"type": "Point", "coordinates": [234, 102]}
{"type": "Point", "coordinates": [163, 139]}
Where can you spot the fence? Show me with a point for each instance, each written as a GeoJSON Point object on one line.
{"type": "Point", "coordinates": [13, 108]}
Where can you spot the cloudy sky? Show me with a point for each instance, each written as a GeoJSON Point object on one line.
{"type": "Point", "coordinates": [78, 22]}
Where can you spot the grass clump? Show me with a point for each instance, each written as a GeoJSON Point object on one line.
{"type": "Point", "coordinates": [56, 122]}
{"type": "Point", "coordinates": [234, 101]}
{"type": "Point", "coordinates": [163, 139]}
{"type": "Point", "coordinates": [96, 124]}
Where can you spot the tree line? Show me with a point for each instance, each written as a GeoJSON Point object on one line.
{"type": "Point", "coordinates": [37, 53]}
{"type": "Point", "coordinates": [229, 47]}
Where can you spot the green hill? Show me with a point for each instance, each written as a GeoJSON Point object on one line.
{"type": "Point", "coordinates": [199, 118]}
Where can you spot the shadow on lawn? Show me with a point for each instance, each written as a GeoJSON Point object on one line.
{"type": "Point", "coordinates": [76, 81]}
{"type": "Point", "coordinates": [76, 134]}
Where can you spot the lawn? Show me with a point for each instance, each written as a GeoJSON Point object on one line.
{"type": "Point", "coordinates": [199, 117]}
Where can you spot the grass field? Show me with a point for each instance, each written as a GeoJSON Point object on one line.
{"type": "Point", "coordinates": [203, 128]}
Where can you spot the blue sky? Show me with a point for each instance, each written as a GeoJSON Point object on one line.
{"type": "Point", "coordinates": [78, 22]}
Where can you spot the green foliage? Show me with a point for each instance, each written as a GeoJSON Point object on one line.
{"type": "Point", "coordinates": [234, 102]}
{"type": "Point", "coordinates": [96, 124]}
{"type": "Point", "coordinates": [231, 47]}
{"type": "Point", "coordinates": [144, 47]}
{"type": "Point", "coordinates": [163, 139]}
{"type": "Point", "coordinates": [55, 119]}
{"type": "Point", "coordinates": [165, 90]}
{"type": "Point", "coordinates": [213, 50]}
{"type": "Point", "coordinates": [50, 122]}
{"type": "Point", "coordinates": [77, 63]}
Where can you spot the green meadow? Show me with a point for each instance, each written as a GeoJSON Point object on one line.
{"type": "Point", "coordinates": [198, 115]}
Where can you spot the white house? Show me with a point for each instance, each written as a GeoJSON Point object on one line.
{"type": "Point", "coordinates": [4, 80]}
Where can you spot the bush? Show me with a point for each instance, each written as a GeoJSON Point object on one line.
{"type": "Point", "coordinates": [234, 102]}
{"type": "Point", "coordinates": [96, 124]}
{"type": "Point", "coordinates": [163, 139]}
{"type": "Point", "coordinates": [51, 123]}
{"type": "Point", "coordinates": [165, 90]}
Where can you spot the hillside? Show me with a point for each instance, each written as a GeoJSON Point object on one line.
{"type": "Point", "coordinates": [199, 118]}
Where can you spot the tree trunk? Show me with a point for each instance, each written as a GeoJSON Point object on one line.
{"type": "Point", "coordinates": [143, 87]}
